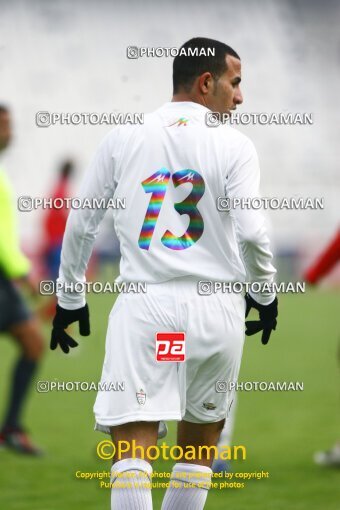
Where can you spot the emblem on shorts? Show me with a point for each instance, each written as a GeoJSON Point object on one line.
{"type": "Point", "coordinates": [141, 397]}
{"type": "Point", "coordinates": [209, 406]}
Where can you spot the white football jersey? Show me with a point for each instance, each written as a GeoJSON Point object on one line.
{"type": "Point", "coordinates": [171, 170]}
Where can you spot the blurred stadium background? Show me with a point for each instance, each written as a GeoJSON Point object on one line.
{"type": "Point", "coordinates": [70, 56]}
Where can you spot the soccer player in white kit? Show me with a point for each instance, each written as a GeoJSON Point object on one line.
{"type": "Point", "coordinates": [171, 171]}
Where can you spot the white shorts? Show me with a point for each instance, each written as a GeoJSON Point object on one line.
{"type": "Point", "coordinates": [153, 390]}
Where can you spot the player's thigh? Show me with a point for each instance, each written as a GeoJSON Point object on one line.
{"type": "Point", "coordinates": [151, 389]}
{"type": "Point", "coordinates": [215, 345]}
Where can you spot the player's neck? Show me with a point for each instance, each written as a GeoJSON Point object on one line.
{"type": "Point", "coordinates": [184, 97]}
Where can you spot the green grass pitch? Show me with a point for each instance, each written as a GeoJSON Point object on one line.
{"type": "Point", "coordinates": [281, 430]}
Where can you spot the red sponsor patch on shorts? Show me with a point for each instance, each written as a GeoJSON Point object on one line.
{"type": "Point", "coordinates": [170, 347]}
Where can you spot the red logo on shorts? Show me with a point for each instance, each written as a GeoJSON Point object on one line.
{"type": "Point", "coordinates": [170, 346]}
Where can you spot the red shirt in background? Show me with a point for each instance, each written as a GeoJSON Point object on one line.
{"type": "Point", "coordinates": [55, 219]}
{"type": "Point", "coordinates": [326, 261]}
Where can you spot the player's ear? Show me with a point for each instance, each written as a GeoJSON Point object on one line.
{"type": "Point", "coordinates": [205, 83]}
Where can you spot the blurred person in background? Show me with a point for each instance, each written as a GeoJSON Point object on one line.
{"type": "Point", "coordinates": [323, 265]}
{"type": "Point", "coordinates": [54, 224]}
{"type": "Point", "coordinates": [55, 220]}
{"type": "Point", "coordinates": [15, 318]}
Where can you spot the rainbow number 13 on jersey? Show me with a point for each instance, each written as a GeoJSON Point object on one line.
{"type": "Point", "coordinates": [157, 185]}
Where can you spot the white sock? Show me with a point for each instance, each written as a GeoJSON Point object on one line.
{"type": "Point", "coordinates": [181, 497]}
{"type": "Point", "coordinates": [131, 489]}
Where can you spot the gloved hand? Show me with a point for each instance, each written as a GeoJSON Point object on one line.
{"type": "Point", "coordinates": [267, 322]}
{"type": "Point", "coordinates": [64, 318]}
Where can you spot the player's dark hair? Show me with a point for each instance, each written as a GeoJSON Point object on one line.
{"type": "Point", "coordinates": [186, 68]}
{"type": "Point", "coordinates": [67, 169]}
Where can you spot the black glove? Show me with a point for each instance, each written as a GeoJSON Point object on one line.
{"type": "Point", "coordinates": [267, 322]}
{"type": "Point", "coordinates": [64, 318]}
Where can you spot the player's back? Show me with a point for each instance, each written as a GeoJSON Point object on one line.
{"type": "Point", "coordinates": [171, 171]}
